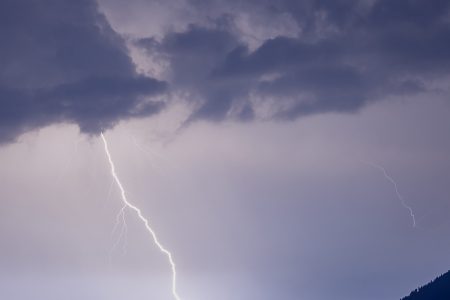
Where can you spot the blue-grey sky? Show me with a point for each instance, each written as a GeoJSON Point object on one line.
{"type": "Point", "coordinates": [241, 129]}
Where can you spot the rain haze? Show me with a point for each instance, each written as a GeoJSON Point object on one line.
{"type": "Point", "coordinates": [280, 149]}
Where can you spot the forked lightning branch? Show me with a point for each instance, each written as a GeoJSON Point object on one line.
{"type": "Point", "coordinates": [138, 212]}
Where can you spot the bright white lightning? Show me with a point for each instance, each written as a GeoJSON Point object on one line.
{"type": "Point", "coordinates": [142, 218]}
{"type": "Point", "coordinates": [399, 196]}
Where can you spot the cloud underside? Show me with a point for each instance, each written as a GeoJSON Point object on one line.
{"type": "Point", "coordinates": [344, 55]}
{"type": "Point", "coordinates": [62, 62]}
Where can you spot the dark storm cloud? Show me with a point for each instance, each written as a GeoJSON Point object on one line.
{"type": "Point", "coordinates": [346, 54]}
{"type": "Point", "coordinates": [60, 61]}
{"type": "Point", "coordinates": [193, 54]}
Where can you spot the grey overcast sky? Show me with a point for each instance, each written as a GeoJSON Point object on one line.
{"type": "Point", "coordinates": [252, 134]}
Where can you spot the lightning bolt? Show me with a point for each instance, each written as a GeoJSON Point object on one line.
{"type": "Point", "coordinates": [123, 233]}
{"type": "Point", "coordinates": [138, 212]}
{"type": "Point", "coordinates": [391, 180]}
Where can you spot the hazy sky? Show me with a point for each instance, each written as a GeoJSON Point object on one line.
{"type": "Point", "coordinates": [247, 131]}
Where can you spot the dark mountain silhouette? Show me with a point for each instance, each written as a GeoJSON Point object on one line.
{"type": "Point", "coordinates": [438, 289]}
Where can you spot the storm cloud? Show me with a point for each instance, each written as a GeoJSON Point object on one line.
{"type": "Point", "coordinates": [62, 62]}
{"type": "Point", "coordinates": [344, 55]}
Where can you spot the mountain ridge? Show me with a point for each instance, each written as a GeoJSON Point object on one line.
{"type": "Point", "coordinates": [437, 289]}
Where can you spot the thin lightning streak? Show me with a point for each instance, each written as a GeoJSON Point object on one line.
{"type": "Point", "coordinates": [152, 154]}
{"type": "Point", "coordinates": [142, 149]}
{"type": "Point", "coordinates": [119, 215]}
{"type": "Point", "coordinates": [143, 219]}
{"type": "Point", "coordinates": [123, 233]}
{"type": "Point", "coordinates": [399, 196]}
